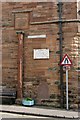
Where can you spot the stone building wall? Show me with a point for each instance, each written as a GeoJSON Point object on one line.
{"type": "Point", "coordinates": [41, 78]}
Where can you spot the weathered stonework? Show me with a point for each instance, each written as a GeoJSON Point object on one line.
{"type": "Point", "coordinates": [41, 78]}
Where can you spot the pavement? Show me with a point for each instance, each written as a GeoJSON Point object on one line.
{"type": "Point", "coordinates": [38, 111]}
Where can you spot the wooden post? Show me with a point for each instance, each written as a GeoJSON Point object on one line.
{"type": "Point", "coordinates": [20, 36]}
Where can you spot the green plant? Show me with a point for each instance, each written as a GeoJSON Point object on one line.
{"type": "Point", "coordinates": [28, 99]}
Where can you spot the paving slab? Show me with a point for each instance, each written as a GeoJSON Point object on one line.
{"type": "Point", "coordinates": [39, 111]}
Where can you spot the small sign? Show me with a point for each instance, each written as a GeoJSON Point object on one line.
{"type": "Point", "coordinates": [41, 53]}
{"type": "Point", "coordinates": [66, 60]}
{"type": "Point", "coordinates": [66, 67]}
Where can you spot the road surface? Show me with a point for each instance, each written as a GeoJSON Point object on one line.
{"type": "Point", "coordinates": [4, 115]}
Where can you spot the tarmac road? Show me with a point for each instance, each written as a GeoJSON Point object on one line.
{"type": "Point", "coordinates": [11, 116]}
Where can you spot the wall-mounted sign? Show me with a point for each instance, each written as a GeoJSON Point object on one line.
{"type": "Point", "coordinates": [37, 36]}
{"type": "Point", "coordinates": [41, 53]}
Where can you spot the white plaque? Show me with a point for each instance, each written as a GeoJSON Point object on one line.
{"type": "Point", "coordinates": [41, 53]}
{"type": "Point", "coordinates": [37, 36]}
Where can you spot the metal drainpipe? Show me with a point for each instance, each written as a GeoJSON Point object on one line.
{"type": "Point", "coordinates": [61, 54]}
{"type": "Point", "coordinates": [23, 62]}
{"type": "Point", "coordinates": [20, 35]}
